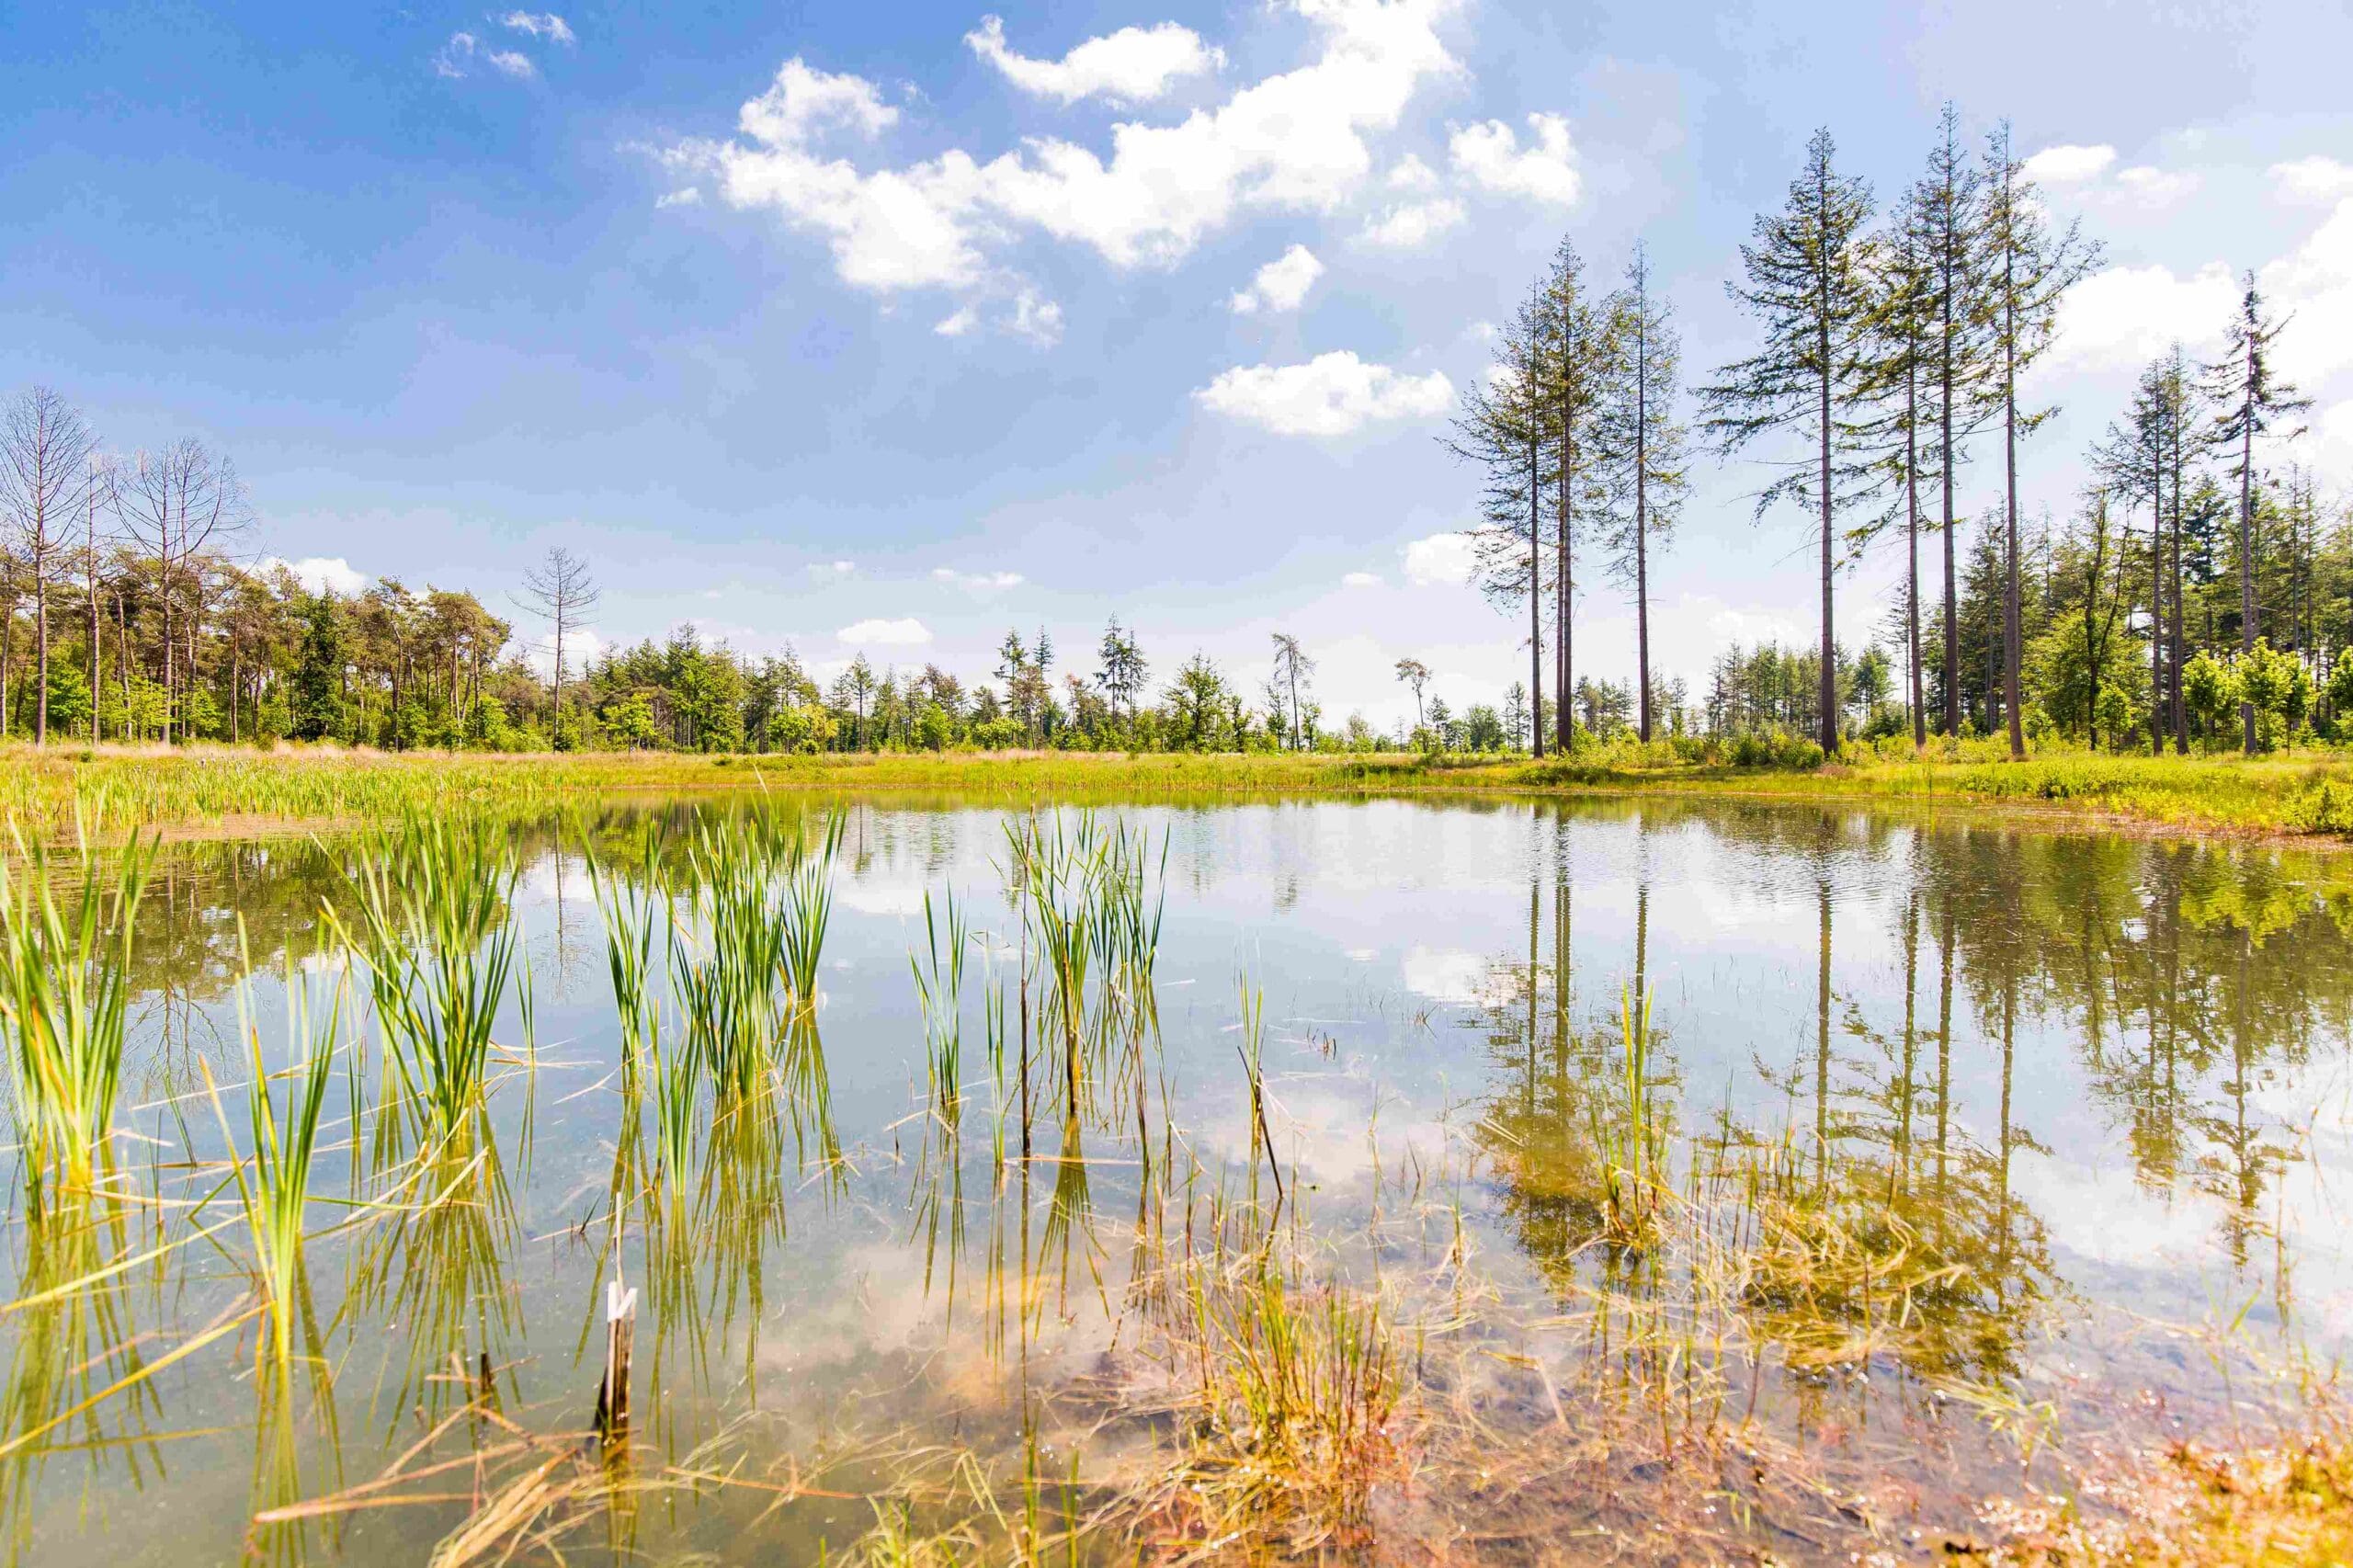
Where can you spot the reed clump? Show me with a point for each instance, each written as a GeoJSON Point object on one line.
{"type": "Point", "coordinates": [283, 1136]}
{"type": "Point", "coordinates": [66, 931]}
{"type": "Point", "coordinates": [435, 899]}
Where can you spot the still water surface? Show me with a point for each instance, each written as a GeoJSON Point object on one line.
{"type": "Point", "coordinates": [2103, 1079]}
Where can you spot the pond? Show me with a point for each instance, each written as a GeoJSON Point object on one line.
{"type": "Point", "coordinates": [1387, 1178]}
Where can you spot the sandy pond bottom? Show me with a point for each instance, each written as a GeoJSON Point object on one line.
{"type": "Point", "coordinates": [1366, 1220]}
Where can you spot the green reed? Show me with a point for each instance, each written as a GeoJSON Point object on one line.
{"type": "Point", "coordinates": [284, 1137]}
{"type": "Point", "coordinates": [939, 992]}
{"type": "Point", "coordinates": [1629, 1121]}
{"type": "Point", "coordinates": [632, 913]}
{"type": "Point", "coordinates": [434, 898]}
{"type": "Point", "coordinates": [808, 909]}
{"type": "Point", "coordinates": [64, 997]}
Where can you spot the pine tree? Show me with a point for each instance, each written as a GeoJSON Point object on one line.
{"type": "Point", "coordinates": [1949, 199]}
{"type": "Point", "coordinates": [1501, 429]}
{"type": "Point", "coordinates": [1648, 443]}
{"type": "Point", "coordinates": [2249, 400]}
{"type": "Point", "coordinates": [1905, 327]}
{"type": "Point", "coordinates": [2029, 268]}
{"type": "Point", "coordinates": [1807, 281]}
{"type": "Point", "coordinates": [1576, 352]}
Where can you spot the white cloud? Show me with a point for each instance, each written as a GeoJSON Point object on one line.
{"type": "Point", "coordinates": [1410, 225]}
{"type": "Point", "coordinates": [510, 63]}
{"type": "Point", "coordinates": [2313, 285]}
{"type": "Point", "coordinates": [2332, 438]}
{"type": "Point", "coordinates": [2068, 165]}
{"type": "Point", "coordinates": [322, 573]}
{"type": "Point", "coordinates": [2317, 181]}
{"type": "Point", "coordinates": [1292, 141]}
{"type": "Point", "coordinates": [2155, 187]}
{"type": "Point", "coordinates": [980, 584]}
{"type": "Point", "coordinates": [1440, 560]}
{"type": "Point", "coordinates": [962, 320]}
{"type": "Point", "coordinates": [1489, 154]}
{"type": "Point", "coordinates": [542, 24]}
{"type": "Point", "coordinates": [455, 56]}
{"type": "Point", "coordinates": [1131, 66]}
{"type": "Point", "coordinates": [1036, 318]}
{"type": "Point", "coordinates": [1361, 580]}
{"type": "Point", "coordinates": [1332, 394]}
{"type": "Point", "coordinates": [1410, 174]}
{"type": "Point", "coordinates": [2122, 317]}
{"type": "Point", "coordinates": [1281, 284]}
{"type": "Point", "coordinates": [908, 633]}
{"type": "Point", "coordinates": [686, 196]}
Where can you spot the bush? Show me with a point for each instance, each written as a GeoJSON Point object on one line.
{"type": "Point", "coordinates": [1778, 749]}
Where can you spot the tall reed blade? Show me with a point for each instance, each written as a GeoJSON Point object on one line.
{"type": "Point", "coordinates": [64, 997]}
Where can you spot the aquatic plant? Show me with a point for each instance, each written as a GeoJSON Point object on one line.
{"type": "Point", "coordinates": [434, 897]}
{"type": "Point", "coordinates": [65, 992]}
{"type": "Point", "coordinates": [1628, 1123]}
{"type": "Point", "coordinates": [284, 1138]}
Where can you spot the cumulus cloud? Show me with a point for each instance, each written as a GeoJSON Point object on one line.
{"type": "Point", "coordinates": [2318, 180]}
{"type": "Point", "coordinates": [2314, 284]}
{"type": "Point", "coordinates": [2121, 317]}
{"type": "Point", "coordinates": [908, 633]}
{"type": "Point", "coordinates": [1281, 284]}
{"type": "Point", "coordinates": [1296, 141]}
{"type": "Point", "coordinates": [1131, 66]}
{"type": "Point", "coordinates": [1490, 156]}
{"type": "Point", "coordinates": [979, 584]}
{"type": "Point", "coordinates": [1441, 561]}
{"type": "Point", "coordinates": [322, 573]}
{"type": "Point", "coordinates": [539, 24]}
{"type": "Point", "coordinates": [1410, 225]}
{"type": "Point", "coordinates": [2068, 165]}
{"type": "Point", "coordinates": [1332, 394]}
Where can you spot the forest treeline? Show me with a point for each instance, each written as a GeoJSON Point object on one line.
{"type": "Point", "coordinates": [2197, 594]}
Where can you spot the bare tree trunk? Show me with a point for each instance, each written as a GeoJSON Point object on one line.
{"type": "Point", "coordinates": [2246, 540]}
{"type": "Point", "coordinates": [1827, 693]}
{"type": "Point", "coordinates": [90, 581]}
{"type": "Point", "coordinates": [1535, 601]}
{"type": "Point", "coordinates": [2013, 633]}
{"type": "Point", "coordinates": [1564, 652]}
{"type": "Point", "coordinates": [1643, 526]}
{"type": "Point", "coordinates": [1912, 539]}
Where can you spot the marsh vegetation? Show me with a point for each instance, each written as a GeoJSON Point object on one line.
{"type": "Point", "coordinates": [787, 1177]}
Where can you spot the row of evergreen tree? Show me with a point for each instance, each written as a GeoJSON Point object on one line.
{"type": "Point", "coordinates": [1891, 347]}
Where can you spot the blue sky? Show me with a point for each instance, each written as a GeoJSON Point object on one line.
{"type": "Point", "coordinates": [881, 327]}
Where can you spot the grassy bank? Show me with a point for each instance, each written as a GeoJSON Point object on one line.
{"type": "Point", "coordinates": [2306, 795]}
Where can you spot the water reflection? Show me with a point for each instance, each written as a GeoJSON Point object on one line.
{"type": "Point", "coordinates": [1938, 1090]}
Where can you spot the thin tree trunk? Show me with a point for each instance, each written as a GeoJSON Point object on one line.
{"type": "Point", "coordinates": [1564, 652]}
{"type": "Point", "coordinates": [1944, 455]}
{"type": "Point", "coordinates": [41, 647]}
{"type": "Point", "coordinates": [1912, 539]}
{"type": "Point", "coordinates": [2180, 641]}
{"type": "Point", "coordinates": [1535, 598]}
{"type": "Point", "coordinates": [1641, 518]}
{"type": "Point", "coordinates": [2013, 633]}
{"type": "Point", "coordinates": [1826, 693]}
{"type": "Point", "coordinates": [2247, 538]}
{"type": "Point", "coordinates": [90, 583]}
